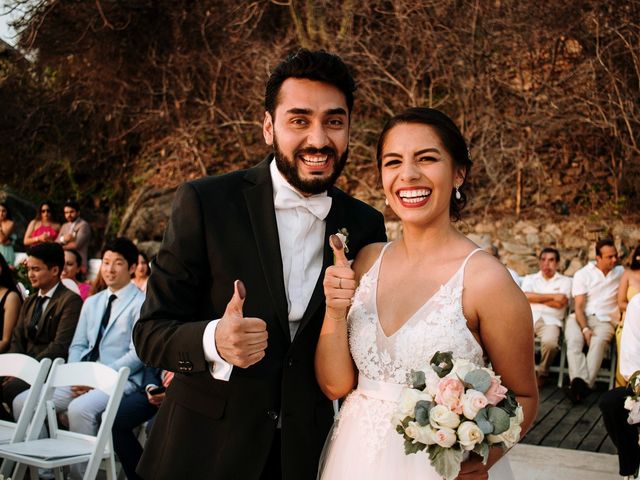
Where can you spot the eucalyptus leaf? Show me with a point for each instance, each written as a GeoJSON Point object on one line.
{"type": "Point", "coordinates": [482, 449]}
{"type": "Point", "coordinates": [446, 461]}
{"type": "Point", "coordinates": [418, 380]}
{"type": "Point", "coordinates": [422, 412]}
{"type": "Point", "coordinates": [482, 420]}
{"type": "Point", "coordinates": [510, 403]}
{"type": "Point", "coordinates": [411, 447]}
{"type": "Point", "coordinates": [499, 419]}
{"type": "Point", "coordinates": [442, 363]}
{"type": "Point", "coordinates": [478, 379]}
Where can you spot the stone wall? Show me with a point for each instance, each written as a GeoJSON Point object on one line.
{"type": "Point", "coordinates": [520, 241]}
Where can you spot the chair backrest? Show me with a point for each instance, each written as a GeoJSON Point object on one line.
{"type": "Point", "coordinates": [34, 373]}
{"type": "Point", "coordinates": [22, 366]}
{"type": "Point", "coordinates": [90, 374]}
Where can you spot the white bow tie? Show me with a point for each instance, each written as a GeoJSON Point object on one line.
{"type": "Point", "coordinates": [318, 205]}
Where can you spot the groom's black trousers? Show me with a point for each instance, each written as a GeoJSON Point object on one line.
{"type": "Point", "coordinates": [623, 435]}
{"type": "Point", "coordinates": [273, 467]}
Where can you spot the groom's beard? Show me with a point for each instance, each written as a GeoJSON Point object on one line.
{"type": "Point", "coordinates": [312, 186]}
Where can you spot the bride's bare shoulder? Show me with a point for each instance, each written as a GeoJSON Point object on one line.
{"type": "Point", "coordinates": [484, 271]}
{"type": "Point", "coordinates": [366, 258]}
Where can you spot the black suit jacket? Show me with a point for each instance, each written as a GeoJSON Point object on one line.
{"type": "Point", "coordinates": [223, 229]}
{"type": "Point", "coordinates": [55, 328]}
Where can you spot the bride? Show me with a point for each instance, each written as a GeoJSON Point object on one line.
{"type": "Point", "coordinates": [431, 290]}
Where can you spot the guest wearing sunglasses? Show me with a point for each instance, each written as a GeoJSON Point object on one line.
{"type": "Point", "coordinates": [43, 228]}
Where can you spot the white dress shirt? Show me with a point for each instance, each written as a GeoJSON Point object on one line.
{"type": "Point", "coordinates": [301, 235]}
{"type": "Point", "coordinates": [48, 294]}
{"type": "Point", "coordinates": [537, 283]}
{"type": "Point", "coordinates": [630, 341]}
{"type": "Point", "coordinates": [601, 291]}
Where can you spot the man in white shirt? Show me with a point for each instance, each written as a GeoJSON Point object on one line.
{"type": "Point", "coordinates": [595, 290]}
{"type": "Point", "coordinates": [244, 402]}
{"type": "Point", "coordinates": [548, 293]}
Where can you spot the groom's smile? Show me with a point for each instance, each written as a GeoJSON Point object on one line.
{"type": "Point", "coordinates": [309, 131]}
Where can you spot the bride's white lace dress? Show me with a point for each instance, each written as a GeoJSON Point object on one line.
{"type": "Point", "coordinates": [363, 443]}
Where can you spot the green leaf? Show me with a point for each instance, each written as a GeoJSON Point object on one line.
{"type": "Point", "coordinates": [418, 380]}
{"type": "Point", "coordinates": [446, 461]}
{"type": "Point", "coordinates": [478, 379]}
{"type": "Point", "coordinates": [442, 363]}
{"type": "Point", "coordinates": [482, 449]}
{"type": "Point", "coordinates": [499, 419]}
{"type": "Point", "coordinates": [482, 420]}
{"type": "Point", "coordinates": [422, 412]}
{"type": "Point", "coordinates": [510, 403]}
{"type": "Point", "coordinates": [411, 447]}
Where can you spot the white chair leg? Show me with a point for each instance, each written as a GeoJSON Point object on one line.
{"type": "Point", "coordinates": [33, 473]}
{"type": "Point", "coordinates": [110, 464]}
{"type": "Point", "coordinates": [57, 472]}
{"type": "Point", "coordinates": [19, 471]}
{"type": "Point", "coordinates": [563, 362]}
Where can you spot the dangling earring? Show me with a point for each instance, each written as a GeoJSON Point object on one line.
{"type": "Point", "coordinates": [386, 201]}
{"type": "Point", "coordinates": [458, 194]}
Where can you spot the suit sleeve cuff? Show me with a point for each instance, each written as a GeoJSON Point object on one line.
{"type": "Point", "coordinates": [219, 368]}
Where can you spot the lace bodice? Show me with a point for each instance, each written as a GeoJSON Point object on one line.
{"type": "Point", "coordinates": [439, 324]}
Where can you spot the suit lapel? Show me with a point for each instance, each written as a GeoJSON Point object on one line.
{"type": "Point", "coordinates": [259, 198]}
{"type": "Point", "coordinates": [334, 222]}
{"type": "Point", "coordinates": [53, 301]}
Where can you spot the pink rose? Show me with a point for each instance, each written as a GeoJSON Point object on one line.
{"type": "Point", "coordinates": [449, 392]}
{"type": "Point", "coordinates": [496, 392]}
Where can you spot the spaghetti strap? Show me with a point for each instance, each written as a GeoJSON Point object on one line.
{"type": "Point", "coordinates": [464, 264]}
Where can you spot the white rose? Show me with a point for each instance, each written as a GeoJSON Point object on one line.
{"type": "Point", "coordinates": [445, 437]}
{"type": "Point", "coordinates": [441, 417]}
{"type": "Point", "coordinates": [461, 367]}
{"type": "Point", "coordinates": [421, 434]}
{"type": "Point", "coordinates": [634, 414]}
{"type": "Point", "coordinates": [629, 403]}
{"type": "Point", "coordinates": [472, 402]}
{"type": "Point", "coordinates": [408, 400]}
{"type": "Point", "coordinates": [519, 414]}
{"type": "Point", "coordinates": [469, 435]}
{"type": "Point", "coordinates": [510, 437]}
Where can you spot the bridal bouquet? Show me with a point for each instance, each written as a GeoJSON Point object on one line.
{"type": "Point", "coordinates": [461, 408]}
{"type": "Point", "coordinates": [632, 402]}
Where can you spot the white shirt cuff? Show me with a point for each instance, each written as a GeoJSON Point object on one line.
{"type": "Point", "coordinates": [219, 369]}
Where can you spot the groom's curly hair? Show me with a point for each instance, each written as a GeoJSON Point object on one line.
{"type": "Point", "coordinates": [319, 65]}
{"type": "Point", "coordinates": [449, 135]}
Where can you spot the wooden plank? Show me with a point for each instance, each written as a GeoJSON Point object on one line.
{"type": "Point", "coordinates": [584, 424]}
{"type": "Point", "coordinates": [608, 447]}
{"type": "Point", "coordinates": [553, 411]}
{"type": "Point", "coordinates": [595, 438]}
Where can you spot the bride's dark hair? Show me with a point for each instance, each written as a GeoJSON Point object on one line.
{"type": "Point", "coordinates": [450, 137]}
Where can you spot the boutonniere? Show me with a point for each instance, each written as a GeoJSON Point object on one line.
{"type": "Point", "coordinates": [343, 235]}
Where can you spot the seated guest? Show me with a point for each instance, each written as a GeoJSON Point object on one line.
{"type": "Point", "coordinates": [6, 234]}
{"type": "Point", "coordinates": [135, 409]}
{"type": "Point", "coordinates": [10, 301]}
{"type": "Point", "coordinates": [595, 290]}
{"type": "Point", "coordinates": [48, 318]}
{"type": "Point", "coordinates": [42, 228]}
{"type": "Point", "coordinates": [71, 272]}
{"type": "Point", "coordinates": [103, 335]}
{"type": "Point", "coordinates": [75, 234]}
{"type": "Point", "coordinates": [142, 272]}
{"type": "Point", "coordinates": [548, 293]}
{"type": "Point", "coordinates": [614, 415]}
{"type": "Point", "coordinates": [629, 287]}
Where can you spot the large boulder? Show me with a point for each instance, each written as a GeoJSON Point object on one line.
{"type": "Point", "coordinates": [147, 214]}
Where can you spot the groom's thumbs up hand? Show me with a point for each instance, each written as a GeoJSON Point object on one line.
{"type": "Point", "coordinates": [240, 340]}
{"type": "Point", "coordinates": [339, 282]}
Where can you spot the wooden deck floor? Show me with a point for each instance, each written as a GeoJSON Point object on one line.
{"type": "Point", "coordinates": [561, 424]}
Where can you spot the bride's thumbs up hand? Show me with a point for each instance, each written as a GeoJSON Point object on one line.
{"type": "Point", "coordinates": [339, 282]}
{"type": "Point", "coordinates": [240, 340]}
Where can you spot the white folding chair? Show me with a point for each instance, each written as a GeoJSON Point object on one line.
{"type": "Point", "coordinates": [33, 372]}
{"type": "Point", "coordinates": [67, 448]}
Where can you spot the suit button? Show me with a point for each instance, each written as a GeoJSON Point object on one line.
{"type": "Point", "coordinates": [290, 362]}
{"type": "Point", "coordinates": [272, 414]}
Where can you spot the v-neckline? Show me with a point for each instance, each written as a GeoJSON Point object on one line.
{"type": "Point", "coordinates": [435, 294]}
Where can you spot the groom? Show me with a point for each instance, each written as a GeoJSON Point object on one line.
{"type": "Point", "coordinates": [244, 403]}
